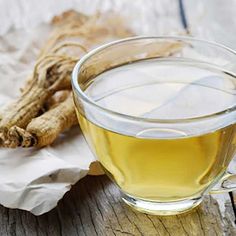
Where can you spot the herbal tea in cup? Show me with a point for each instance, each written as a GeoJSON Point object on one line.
{"type": "Point", "coordinates": [159, 115]}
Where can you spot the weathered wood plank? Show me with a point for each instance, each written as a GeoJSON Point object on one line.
{"type": "Point", "coordinates": [94, 207]}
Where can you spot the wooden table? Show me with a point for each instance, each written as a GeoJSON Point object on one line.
{"type": "Point", "coordinates": [94, 205]}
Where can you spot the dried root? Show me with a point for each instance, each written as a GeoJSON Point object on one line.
{"type": "Point", "coordinates": [19, 137]}
{"type": "Point", "coordinates": [57, 98]}
{"type": "Point", "coordinates": [52, 73]}
{"type": "Point", "coordinates": [44, 129]}
{"type": "Point", "coordinates": [22, 124]}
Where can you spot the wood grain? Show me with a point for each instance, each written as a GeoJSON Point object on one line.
{"type": "Point", "coordinates": [94, 207]}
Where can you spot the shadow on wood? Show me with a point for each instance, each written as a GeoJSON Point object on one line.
{"type": "Point", "coordinates": [94, 207]}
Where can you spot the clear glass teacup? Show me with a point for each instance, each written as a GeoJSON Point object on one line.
{"type": "Point", "coordinates": [159, 115]}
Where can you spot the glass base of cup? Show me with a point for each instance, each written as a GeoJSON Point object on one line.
{"type": "Point", "coordinates": [161, 208]}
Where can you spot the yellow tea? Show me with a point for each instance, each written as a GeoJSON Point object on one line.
{"type": "Point", "coordinates": [162, 164]}
{"type": "Point", "coordinates": [155, 169]}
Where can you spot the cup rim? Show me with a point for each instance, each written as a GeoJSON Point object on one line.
{"type": "Point", "coordinates": [84, 97]}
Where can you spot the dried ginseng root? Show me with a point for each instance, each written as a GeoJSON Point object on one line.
{"type": "Point", "coordinates": [22, 125]}
{"type": "Point", "coordinates": [50, 76]}
{"type": "Point", "coordinates": [44, 129]}
{"type": "Point", "coordinates": [53, 71]}
{"type": "Point", "coordinates": [58, 97]}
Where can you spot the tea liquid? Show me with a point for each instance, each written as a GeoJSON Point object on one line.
{"type": "Point", "coordinates": [162, 164]}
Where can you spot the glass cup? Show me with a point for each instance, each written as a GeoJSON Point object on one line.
{"type": "Point", "coordinates": [159, 115]}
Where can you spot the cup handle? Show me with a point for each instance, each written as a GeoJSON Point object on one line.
{"type": "Point", "coordinates": [226, 184]}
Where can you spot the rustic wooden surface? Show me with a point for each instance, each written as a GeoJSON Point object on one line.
{"type": "Point", "coordinates": [94, 207]}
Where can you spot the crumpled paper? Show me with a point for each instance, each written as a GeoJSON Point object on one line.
{"type": "Point", "coordinates": [35, 179]}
